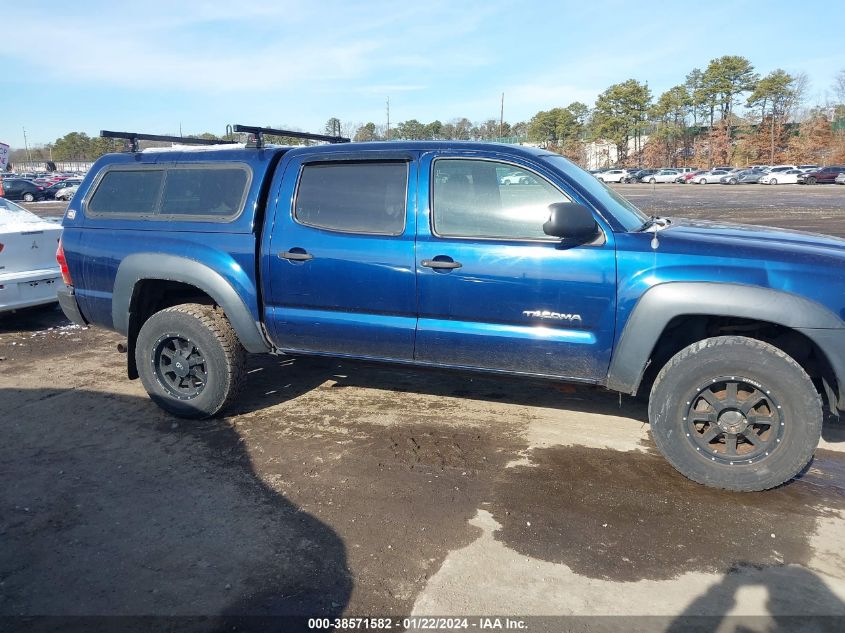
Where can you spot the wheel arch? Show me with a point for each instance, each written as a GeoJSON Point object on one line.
{"type": "Point", "coordinates": [672, 315]}
{"type": "Point", "coordinates": [153, 281]}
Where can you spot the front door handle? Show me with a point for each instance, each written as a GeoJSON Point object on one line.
{"type": "Point", "coordinates": [297, 255]}
{"type": "Point", "coordinates": [441, 264]}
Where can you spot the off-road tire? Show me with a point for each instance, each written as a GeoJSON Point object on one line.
{"type": "Point", "coordinates": [783, 383]}
{"type": "Point", "coordinates": [208, 329]}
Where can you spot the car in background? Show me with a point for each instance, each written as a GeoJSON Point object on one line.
{"type": "Point", "coordinates": [66, 193]}
{"type": "Point", "coordinates": [825, 175]}
{"type": "Point", "coordinates": [20, 189]}
{"type": "Point", "coordinates": [637, 175]}
{"type": "Point", "coordinates": [809, 167]}
{"type": "Point", "coordinates": [708, 177]}
{"type": "Point", "coordinates": [744, 176]}
{"type": "Point", "coordinates": [688, 176]}
{"type": "Point", "coordinates": [787, 177]}
{"type": "Point", "coordinates": [662, 175]}
{"type": "Point", "coordinates": [780, 168]}
{"type": "Point", "coordinates": [614, 175]}
{"type": "Point", "coordinates": [29, 275]}
{"type": "Point", "coordinates": [52, 190]}
{"type": "Point", "coordinates": [840, 179]}
{"type": "Point", "coordinates": [516, 178]}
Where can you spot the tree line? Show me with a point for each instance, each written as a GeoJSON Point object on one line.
{"type": "Point", "coordinates": [724, 114]}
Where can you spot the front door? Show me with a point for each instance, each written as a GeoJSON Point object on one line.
{"type": "Point", "coordinates": [495, 292]}
{"type": "Point", "coordinates": [340, 257]}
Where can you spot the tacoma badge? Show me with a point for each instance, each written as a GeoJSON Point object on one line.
{"type": "Point", "coordinates": [547, 314]}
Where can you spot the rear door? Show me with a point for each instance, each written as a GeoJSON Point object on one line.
{"type": "Point", "coordinates": [340, 257]}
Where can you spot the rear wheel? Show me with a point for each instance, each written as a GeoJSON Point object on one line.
{"type": "Point", "coordinates": [190, 360]}
{"type": "Point", "coordinates": [736, 413]}
{"type": "Point", "coordinates": [28, 197]}
{"type": "Point", "coordinates": [653, 180]}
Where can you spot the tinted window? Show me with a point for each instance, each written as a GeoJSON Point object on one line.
{"type": "Point", "coordinates": [353, 197]}
{"type": "Point", "coordinates": [475, 198]}
{"type": "Point", "coordinates": [124, 191]}
{"type": "Point", "coordinates": [217, 192]}
{"type": "Point", "coordinates": [202, 191]}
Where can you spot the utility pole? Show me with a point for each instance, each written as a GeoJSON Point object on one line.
{"type": "Point", "coordinates": [502, 118]}
{"type": "Point", "coordinates": [26, 146]}
{"type": "Point", "coordinates": [388, 118]}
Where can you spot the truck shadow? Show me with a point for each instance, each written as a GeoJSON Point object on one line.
{"type": "Point", "coordinates": [113, 508]}
{"type": "Point", "coordinates": [275, 380]}
{"type": "Point", "coordinates": [33, 319]}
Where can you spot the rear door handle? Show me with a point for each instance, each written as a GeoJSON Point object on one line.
{"type": "Point", "coordinates": [298, 255]}
{"type": "Point", "coordinates": [447, 264]}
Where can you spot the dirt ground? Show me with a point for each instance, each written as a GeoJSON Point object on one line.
{"type": "Point", "coordinates": [349, 489]}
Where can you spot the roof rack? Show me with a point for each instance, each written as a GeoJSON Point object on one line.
{"type": "Point", "coordinates": [132, 139]}
{"type": "Point", "coordinates": [257, 135]}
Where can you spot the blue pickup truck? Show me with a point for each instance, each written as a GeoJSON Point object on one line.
{"type": "Point", "coordinates": [463, 256]}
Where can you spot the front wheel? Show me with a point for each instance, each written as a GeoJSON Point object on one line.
{"type": "Point", "coordinates": [190, 360]}
{"type": "Point", "coordinates": [773, 181]}
{"type": "Point", "coordinates": [702, 181]}
{"type": "Point", "coordinates": [811, 181]}
{"type": "Point", "coordinates": [735, 413]}
{"type": "Point", "coordinates": [733, 181]}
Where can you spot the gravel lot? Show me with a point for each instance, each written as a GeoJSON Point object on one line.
{"type": "Point", "coordinates": [342, 488]}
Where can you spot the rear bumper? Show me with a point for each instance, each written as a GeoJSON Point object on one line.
{"type": "Point", "coordinates": [29, 288]}
{"type": "Point", "coordinates": [67, 301]}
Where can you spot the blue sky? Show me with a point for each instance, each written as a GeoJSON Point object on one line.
{"type": "Point", "coordinates": [153, 65]}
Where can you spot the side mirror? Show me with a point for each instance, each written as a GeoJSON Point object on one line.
{"type": "Point", "coordinates": [571, 221]}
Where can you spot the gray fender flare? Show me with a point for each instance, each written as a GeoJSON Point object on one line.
{"type": "Point", "coordinates": [661, 303]}
{"type": "Point", "coordinates": [142, 266]}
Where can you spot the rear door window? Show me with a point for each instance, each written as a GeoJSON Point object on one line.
{"type": "Point", "coordinates": [353, 197]}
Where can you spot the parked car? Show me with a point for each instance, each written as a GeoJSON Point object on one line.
{"type": "Point", "coordinates": [196, 273]}
{"type": "Point", "coordinates": [687, 177]}
{"type": "Point", "coordinates": [840, 179]}
{"type": "Point", "coordinates": [614, 175]}
{"type": "Point", "coordinates": [745, 176]}
{"type": "Point", "coordinates": [787, 177]}
{"type": "Point", "coordinates": [19, 189]}
{"type": "Point", "coordinates": [663, 175]}
{"type": "Point", "coordinates": [29, 275]}
{"type": "Point", "coordinates": [66, 193]}
{"type": "Point", "coordinates": [808, 167]}
{"type": "Point", "coordinates": [521, 178]}
{"type": "Point", "coordinates": [825, 175]}
{"type": "Point", "coordinates": [638, 174]}
{"type": "Point", "coordinates": [708, 177]}
{"type": "Point", "coordinates": [56, 187]}
{"type": "Point", "coordinates": [780, 168]}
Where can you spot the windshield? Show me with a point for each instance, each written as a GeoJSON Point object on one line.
{"type": "Point", "coordinates": [10, 213]}
{"type": "Point", "coordinates": [626, 213]}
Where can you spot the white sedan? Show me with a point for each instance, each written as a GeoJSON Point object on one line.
{"type": "Point", "coordinates": [29, 274]}
{"type": "Point", "coordinates": [614, 175]}
{"type": "Point", "coordinates": [66, 193]}
{"type": "Point", "coordinates": [788, 177]}
{"type": "Point", "coordinates": [664, 175]}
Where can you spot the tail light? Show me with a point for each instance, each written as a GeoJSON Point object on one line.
{"type": "Point", "coordinates": [60, 258]}
{"type": "Point", "coordinates": [1, 247]}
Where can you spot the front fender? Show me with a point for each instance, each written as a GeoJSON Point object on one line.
{"type": "Point", "coordinates": [661, 303]}
{"type": "Point", "coordinates": [146, 266]}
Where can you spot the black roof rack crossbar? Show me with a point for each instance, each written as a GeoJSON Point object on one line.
{"type": "Point", "coordinates": [132, 139]}
{"type": "Point", "coordinates": [259, 132]}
